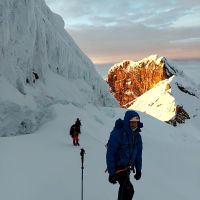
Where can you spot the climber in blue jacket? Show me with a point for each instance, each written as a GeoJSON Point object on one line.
{"type": "Point", "coordinates": [124, 153]}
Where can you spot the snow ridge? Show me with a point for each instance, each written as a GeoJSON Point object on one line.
{"type": "Point", "coordinates": [40, 65]}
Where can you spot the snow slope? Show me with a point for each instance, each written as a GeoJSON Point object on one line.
{"type": "Point", "coordinates": [160, 103]}
{"type": "Point", "coordinates": [46, 165]}
{"type": "Point", "coordinates": [40, 65]}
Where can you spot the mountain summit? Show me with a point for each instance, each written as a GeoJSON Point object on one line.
{"type": "Point", "coordinates": [155, 86]}
{"type": "Point", "coordinates": [40, 65]}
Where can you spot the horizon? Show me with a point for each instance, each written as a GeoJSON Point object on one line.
{"type": "Point", "coordinates": [112, 32]}
{"type": "Point", "coordinates": [173, 60]}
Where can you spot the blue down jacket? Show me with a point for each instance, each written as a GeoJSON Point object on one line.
{"type": "Point", "coordinates": [124, 146]}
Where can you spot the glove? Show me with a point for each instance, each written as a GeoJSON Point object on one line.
{"type": "Point", "coordinates": [137, 176]}
{"type": "Point", "coordinates": [112, 179]}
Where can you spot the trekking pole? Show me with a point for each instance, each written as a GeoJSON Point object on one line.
{"type": "Point", "coordinates": [82, 160]}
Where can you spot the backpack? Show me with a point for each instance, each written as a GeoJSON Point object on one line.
{"type": "Point", "coordinates": [118, 125]}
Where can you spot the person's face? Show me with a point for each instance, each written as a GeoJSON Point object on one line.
{"type": "Point", "coordinates": [134, 124]}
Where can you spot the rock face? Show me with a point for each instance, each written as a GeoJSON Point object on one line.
{"type": "Point", "coordinates": [180, 116]}
{"type": "Point", "coordinates": [130, 80]}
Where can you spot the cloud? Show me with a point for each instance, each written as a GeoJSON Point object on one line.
{"type": "Point", "coordinates": [155, 11]}
{"type": "Point", "coordinates": [126, 29]}
{"type": "Point", "coordinates": [136, 41]}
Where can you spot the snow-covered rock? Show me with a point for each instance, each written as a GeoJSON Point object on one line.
{"type": "Point", "coordinates": [40, 65]}
{"type": "Point", "coordinates": [153, 85]}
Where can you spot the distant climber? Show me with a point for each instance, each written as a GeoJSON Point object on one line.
{"type": "Point", "coordinates": [75, 131]}
{"type": "Point", "coordinates": [35, 76]}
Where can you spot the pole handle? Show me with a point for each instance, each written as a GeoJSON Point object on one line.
{"type": "Point", "coordinates": [82, 152]}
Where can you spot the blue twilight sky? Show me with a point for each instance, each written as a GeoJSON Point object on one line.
{"type": "Point", "coordinates": [109, 31]}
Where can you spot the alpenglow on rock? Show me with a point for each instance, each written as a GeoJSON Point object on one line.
{"type": "Point", "coordinates": [154, 86]}
{"type": "Point", "coordinates": [40, 65]}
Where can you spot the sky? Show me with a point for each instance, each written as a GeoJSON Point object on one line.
{"type": "Point", "coordinates": [116, 30]}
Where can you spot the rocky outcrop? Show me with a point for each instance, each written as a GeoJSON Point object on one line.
{"type": "Point", "coordinates": [180, 116]}
{"type": "Point", "coordinates": [129, 80]}
{"type": "Point", "coordinates": [134, 85]}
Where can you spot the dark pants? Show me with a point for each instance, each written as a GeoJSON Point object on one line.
{"type": "Point", "coordinates": [126, 190]}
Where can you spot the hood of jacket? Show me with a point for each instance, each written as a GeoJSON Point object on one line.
{"type": "Point", "coordinates": [126, 123]}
